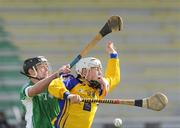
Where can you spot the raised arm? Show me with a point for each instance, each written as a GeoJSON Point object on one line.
{"type": "Point", "coordinates": [112, 73]}
{"type": "Point", "coordinates": [41, 85]}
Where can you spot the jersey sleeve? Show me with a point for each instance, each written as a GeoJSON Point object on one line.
{"type": "Point", "coordinates": [23, 92]}
{"type": "Point", "coordinates": [112, 73]}
{"type": "Point", "coordinates": [58, 89]}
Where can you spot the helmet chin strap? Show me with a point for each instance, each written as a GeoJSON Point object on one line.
{"type": "Point", "coordinates": [30, 76]}
{"type": "Point", "coordinates": [34, 77]}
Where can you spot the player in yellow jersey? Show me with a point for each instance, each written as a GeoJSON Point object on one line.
{"type": "Point", "coordinates": [89, 83]}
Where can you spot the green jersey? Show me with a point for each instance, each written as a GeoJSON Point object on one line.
{"type": "Point", "coordinates": [40, 109]}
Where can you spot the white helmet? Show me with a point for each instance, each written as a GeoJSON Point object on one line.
{"type": "Point", "coordinates": [87, 63]}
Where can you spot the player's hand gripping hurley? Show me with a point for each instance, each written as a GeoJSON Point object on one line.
{"type": "Point", "coordinates": [113, 24]}
{"type": "Point", "coordinates": [156, 102]}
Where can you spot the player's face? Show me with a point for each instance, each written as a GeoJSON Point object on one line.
{"type": "Point", "coordinates": [94, 73]}
{"type": "Point", "coordinates": [42, 70]}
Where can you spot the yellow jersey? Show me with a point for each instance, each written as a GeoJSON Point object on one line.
{"type": "Point", "coordinates": [81, 115]}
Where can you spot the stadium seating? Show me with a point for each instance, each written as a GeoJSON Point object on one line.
{"type": "Point", "coordinates": [149, 45]}
{"type": "Point", "coordinates": [10, 79]}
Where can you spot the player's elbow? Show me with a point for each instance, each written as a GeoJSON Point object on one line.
{"type": "Point", "coordinates": [114, 82]}
{"type": "Point", "coordinates": [117, 78]}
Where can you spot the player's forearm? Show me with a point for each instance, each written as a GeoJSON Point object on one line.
{"type": "Point", "coordinates": [41, 85]}
{"type": "Point", "coordinates": [113, 71]}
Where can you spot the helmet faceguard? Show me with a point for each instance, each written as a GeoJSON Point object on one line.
{"type": "Point", "coordinates": [87, 63]}
{"type": "Point", "coordinates": [31, 63]}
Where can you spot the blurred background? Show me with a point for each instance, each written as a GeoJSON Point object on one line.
{"type": "Point", "coordinates": [148, 47]}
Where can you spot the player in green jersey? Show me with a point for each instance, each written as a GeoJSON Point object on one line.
{"type": "Point", "coordinates": [41, 107]}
